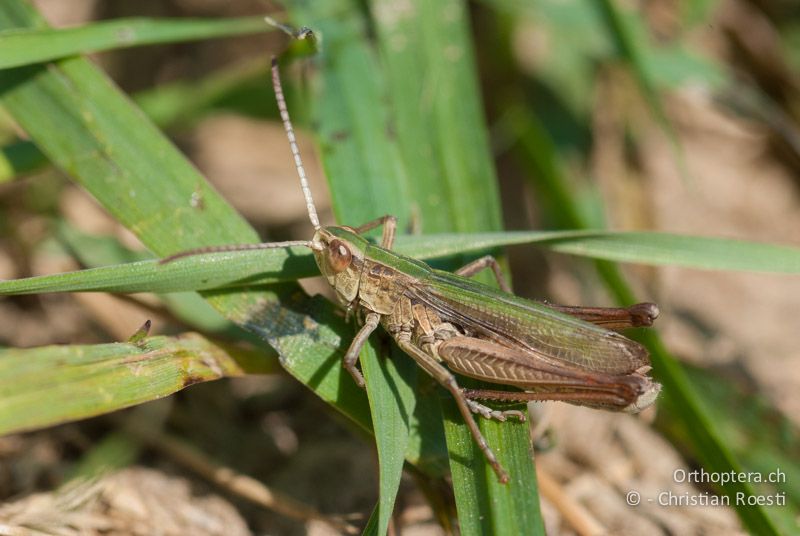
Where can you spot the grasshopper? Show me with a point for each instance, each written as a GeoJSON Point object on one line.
{"type": "Point", "coordinates": [448, 323]}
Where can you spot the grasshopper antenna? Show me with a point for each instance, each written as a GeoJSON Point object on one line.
{"type": "Point", "coordinates": [298, 162]}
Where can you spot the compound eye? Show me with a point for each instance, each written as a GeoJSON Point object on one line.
{"type": "Point", "coordinates": [339, 256]}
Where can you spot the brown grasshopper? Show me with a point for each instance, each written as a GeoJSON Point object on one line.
{"type": "Point", "coordinates": [448, 323]}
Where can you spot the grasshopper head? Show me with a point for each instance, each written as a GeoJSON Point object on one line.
{"type": "Point", "coordinates": [339, 252]}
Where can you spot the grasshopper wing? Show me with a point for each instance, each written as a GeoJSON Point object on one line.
{"type": "Point", "coordinates": [558, 339]}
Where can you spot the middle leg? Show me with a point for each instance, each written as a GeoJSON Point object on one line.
{"type": "Point", "coordinates": [483, 263]}
{"type": "Point", "coordinates": [351, 357]}
{"type": "Point", "coordinates": [389, 223]}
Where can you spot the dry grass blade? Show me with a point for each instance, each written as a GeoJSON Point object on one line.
{"type": "Point", "coordinates": [235, 482]}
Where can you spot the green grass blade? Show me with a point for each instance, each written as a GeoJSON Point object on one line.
{"type": "Point", "coordinates": [371, 528]}
{"type": "Point", "coordinates": [392, 402]}
{"type": "Point", "coordinates": [219, 270]}
{"type": "Point", "coordinates": [651, 248]}
{"type": "Point", "coordinates": [237, 269]}
{"type": "Point", "coordinates": [55, 384]}
{"type": "Point", "coordinates": [437, 113]}
{"type": "Point", "coordinates": [499, 509]}
{"type": "Point", "coordinates": [661, 249]}
{"type": "Point", "coordinates": [28, 46]}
